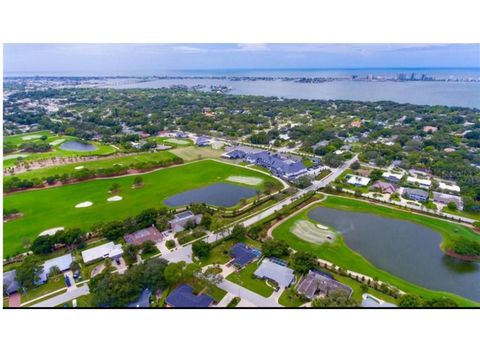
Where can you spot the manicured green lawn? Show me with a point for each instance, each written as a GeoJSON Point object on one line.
{"type": "Point", "coordinates": [289, 298]}
{"type": "Point", "coordinates": [470, 215]}
{"type": "Point", "coordinates": [219, 254]}
{"type": "Point", "coordinates": [55, 207]}
{"type": "Point", "coordinates": [126, 161]}
{"type": "Point", "coordinates": [84, 301]}
{"type": "Point", "coordinates": [56, 151]}
{"type": "Point", "coordinates": [18, 139]}
{"type": "Point", "coordinates": [246, 279]}
{"type": "Point", "coordinates": [54, 283]}
{"type": "Point", "coordinates": [340, 254]}
{"type": "Point", "coordinates": [149, 255]}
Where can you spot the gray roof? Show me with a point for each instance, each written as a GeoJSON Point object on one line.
{"type": "Point", "coordinates": [446, 198]}
{"type": "Point", "coordinates": [315, 282]}
{"type": "Point", "coordinates": [368, 302]}
{"type": "Point", "coordinates": [62, 262]}
{"type": "Point", "coordinates": [10, 283]}
{"type": "Point", "coordinates": [416, 192]}
{"type": "Point", "coordinates": [282, 275]}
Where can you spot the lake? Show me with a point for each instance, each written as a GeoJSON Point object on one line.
{"type": "Point", "coordinates": [404, 249]}
{"type": "Point", "coordinates": [77, 146]}
{"type": "Point", "coordinates": [465, 94]}
{"type": "Point", "coordinates": [219, 194]}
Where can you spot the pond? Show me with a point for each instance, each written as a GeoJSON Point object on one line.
{"type": "Point", "coordinates": [219, 194]}
{"type": "Point", "coordinates": [77, 146]}
{"type": "Point", "coordinates": [404, 249]}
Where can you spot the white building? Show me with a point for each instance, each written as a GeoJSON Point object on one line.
{"type": "Point", "coordinates": [423, 183]}
{"type": "Point", "coordinates": [392, 176]}
{"type": "Point", "coordinates": [108, 250]}
{"type": "Point", "coordinates": [358, 180]}
{"type": "Point", "coordinates": [448, 187]}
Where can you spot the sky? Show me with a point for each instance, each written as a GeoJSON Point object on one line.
{"type": "Point", "coordinates": [158, 59]}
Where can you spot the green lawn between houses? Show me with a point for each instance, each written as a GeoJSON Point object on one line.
{"type": "Point", "coordinates": [127, 161]}
{"type": "Point", "coordinates": [246, 279]}
{"type": "Point", "coordinates": [340, 254]}
{"type": "Point", "coordinates": [54, 207]}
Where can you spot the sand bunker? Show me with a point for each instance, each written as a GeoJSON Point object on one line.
{"type": "Point", "coordinates": [79, 167]}
{"type": "Point", "coordinates": [245, 180]}
{"type": "Point", "coordinates": [307, 231]}
{"type": "Point", "coordinates": [84, 204]}
{"type": "Point", "coordinates": [178, 141]}
{"type": "Point", "coordinates": [57, 142]}
{"type": "Point", "coordinates": [31, 137]}
{"type": "Point", "coordinates": [15, 156]}
{"type": "Point", "coordinates": [51, 231]}
{"type": "Point", "coordinates": [115, 198]}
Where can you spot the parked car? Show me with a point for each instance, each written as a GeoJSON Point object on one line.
{"type": "Point", "coordinates": [67, 281]}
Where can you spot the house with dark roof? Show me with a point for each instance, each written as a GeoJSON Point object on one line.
{"type": "Point", "coordinates": [180, 220]}
{"type": "Point", "coordinates": [10, 283]}
{"type": "Point", "coordinates": [143, 301]}
{"type": "Point", "coordinates": [317, 284]}
{"type": "Point", "coordinates": [415, 194]}
{"type": "Point", "coordinates": [183, 297]}
{"type": "Point", "coordinates": [243, 255]}
{"type": "Point", "coordinates": [282, 167]}
{"type": "Point", "coordinates": [202, 141]}
{"type": "Point", "coordinates": [148, 234]}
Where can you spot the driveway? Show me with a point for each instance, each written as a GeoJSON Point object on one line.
{"type": "Point", "coordinates": [63, 298]}
{"type": "Point", "coordinates": [14, 300]}
{"type": "Point", "coordinates": [183, 253]}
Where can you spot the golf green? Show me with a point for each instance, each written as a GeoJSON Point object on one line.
{"type": "Point", "coordinates": [55, 207]}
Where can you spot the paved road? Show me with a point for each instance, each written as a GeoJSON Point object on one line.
{"type": "Point", "coordinates": [248, 295]}
{"type": "Point", "coordinates": [185, 253]}
{"type": "Point", "coordinates": [63, 298]}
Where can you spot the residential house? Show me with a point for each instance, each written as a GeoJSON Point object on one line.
{"type": "Point", "coordinates": [108, 250]}
{"type": "Point", "coordinates": [430, 129]}
{"type": "Point", "coordinates": [180, 220]}
{"type": "Point", "coordinates": [384, 187]}
{"type": "Point", "coordinates": [61, 262]}
{"type": "Point", "coordinates": [448, 187]}
{"type": "Point", "coordinates": [148, 234]}
{"type": "Point", "coordinates": [447, 198]}
{"type": "Point", "coordinates": [10, 283]}
{"type": "Point", "coordinates": [358, 180]}
{"type": "Point", "coordinates": [318, 284]}
{"type": "Point", "coordinates": [243, 255]}
{"type": "Point", "coordinates": [415, 194]}
{"type": "Point", "coordinates": [202, 141]}
{"type": "Point", "coordinates": [423, 183]}
{"type": "Point", "coordinates": [272, 270]}
{"type": "Point", "coordinates": [394, 177]}
{"type": "Point", "coordinates": [183, 297]}
{"type": "Point", "coordinates": [370, 301]}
